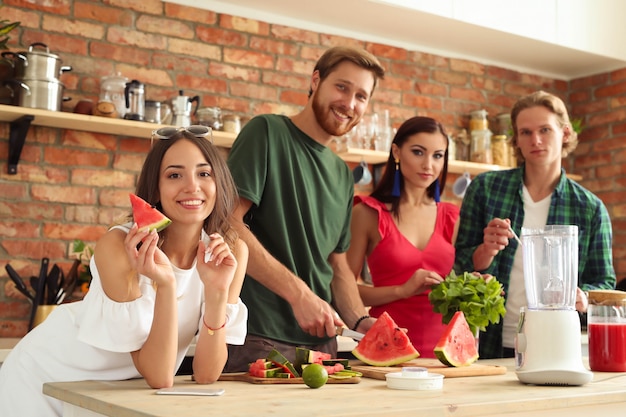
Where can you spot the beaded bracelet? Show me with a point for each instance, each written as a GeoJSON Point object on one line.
{"type": "Point", "coordinates": [211, 331]}
{"type": "Point", "coordinates": [359, 321]}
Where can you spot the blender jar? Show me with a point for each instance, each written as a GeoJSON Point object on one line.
{"type": "Point", "coordinates": [550, 266]}
{"type": "Point", "coordinates": [606, 328]}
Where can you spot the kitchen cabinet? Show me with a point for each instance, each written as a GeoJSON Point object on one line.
{"type": "Point", "coordinates": [131, 128]}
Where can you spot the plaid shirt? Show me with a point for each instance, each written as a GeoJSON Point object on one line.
{"type": "Point", "coordinates": [499, 194]}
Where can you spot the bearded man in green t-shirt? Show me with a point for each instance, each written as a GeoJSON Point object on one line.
{"type": "Point", "coordinates": [294, 214]}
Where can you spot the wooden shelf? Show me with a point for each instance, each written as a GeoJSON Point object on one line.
{"type": "Point", "coordinates": [131, 128]}
{"type": "Point", "coordinates": [455, 167]}
{"type": "Point", "coordinates": [97, 124]}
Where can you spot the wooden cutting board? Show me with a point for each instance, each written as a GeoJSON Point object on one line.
{"type": "Point", "coordinates": [433, 365]}
{"type": "Point", "coordinates": [246, 377]}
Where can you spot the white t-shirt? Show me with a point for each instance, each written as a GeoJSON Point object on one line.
{"type": "Point", "coordinates": [535, 216]}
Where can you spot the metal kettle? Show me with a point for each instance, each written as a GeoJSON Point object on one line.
{"type": "Point", "coordinates": [135, 102]}
{"type": "Point", "coordinates": [182, 109]}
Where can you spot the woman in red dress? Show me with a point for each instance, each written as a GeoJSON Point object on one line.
{"type": "Point", "coordinates": [406, 234]}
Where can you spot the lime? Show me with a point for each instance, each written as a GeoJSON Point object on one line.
{"type": "Point", "coordinates": [314, 375]}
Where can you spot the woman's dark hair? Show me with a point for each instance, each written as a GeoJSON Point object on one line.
{"type": "Point", "coordinates": [412, 126]}
{"type": "Point", "coordinates": [226, 191]}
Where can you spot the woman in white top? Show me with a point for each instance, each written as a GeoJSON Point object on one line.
{"type": "Point", "coordinates": [146, 304]}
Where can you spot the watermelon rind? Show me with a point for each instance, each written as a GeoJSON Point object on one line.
{"type": "Point", "coordinates": [385, 344]}
{"type": "Point", "coordinates": [279, 359]}
{"type": "Point", "coordinates": [146, 216]}
{"type": "Point", "coordinates": [457, 345]}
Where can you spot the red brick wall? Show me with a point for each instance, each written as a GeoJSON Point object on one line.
{"type": "Point", "coordinates": [73, 184]}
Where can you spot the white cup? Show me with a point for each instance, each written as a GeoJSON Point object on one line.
{"type": "Point", "coordinates": [362, 175]}
{"type": "Point", "coordinates": [460, 185]}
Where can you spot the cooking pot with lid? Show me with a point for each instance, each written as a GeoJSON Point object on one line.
{"type": "Point", "coordinates": [38, 94]}
{"type": "Point", "coordinates": [36, 64]}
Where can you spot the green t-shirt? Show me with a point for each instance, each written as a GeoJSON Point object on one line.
{"type": "Point", "coordinates": [301, 193]}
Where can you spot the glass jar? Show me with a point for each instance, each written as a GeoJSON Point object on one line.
{"type": "Point", "coordinates": [232, 123]}
{"type": "Point", "coordinates": [606, 328]}
{"type": "Point", "coordinates": [500, 150]}
{"type": "Point", "coordinates": [480, 147]}
{"type": "Point", "coordinates": [478, 120]}
{"type": "Point", "coordinates": [462, 146]}
{"type": "Point", "coordinates": [210, 116]}
{"type": "Point", "coordinates": [504, 124]}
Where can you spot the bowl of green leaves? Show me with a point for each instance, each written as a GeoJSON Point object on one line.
{"type": "Point", "coordinates": [479, 298]}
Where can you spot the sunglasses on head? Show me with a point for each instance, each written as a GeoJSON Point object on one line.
{"type": "Point", "coordinates": [198, 131]}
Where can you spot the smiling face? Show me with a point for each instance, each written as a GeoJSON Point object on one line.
{"type": "Point", "coordinates": [540, 137]}
{"type": "Point", "coordinates": [422, 157]}
{"type": "Point", "coordinates": [187, 188]}
{"type": "Point", "coordinates": [340, 100]}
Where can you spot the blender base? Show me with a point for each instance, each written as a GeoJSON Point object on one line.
{"type": "Point", "coordinates": [548, 348]}
{"type": "Point", "coordinates": [555, 377]}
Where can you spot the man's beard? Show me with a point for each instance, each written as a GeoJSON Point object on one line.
{"type": "Point", "coordinates": [322, 116]}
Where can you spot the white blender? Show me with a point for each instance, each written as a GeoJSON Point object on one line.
{"type": "Point", "coordinates": [548, 347]}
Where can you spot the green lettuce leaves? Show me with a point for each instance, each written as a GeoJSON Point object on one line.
{"type": "Point", "coordinates": [478, 298]}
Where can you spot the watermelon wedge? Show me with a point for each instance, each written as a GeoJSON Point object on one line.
{"type": "Point", "coordinates": [146, 216]}
{"type": "Point", "coordinates": [385, 344]}
{"type": "Point", "coordinates": [457, 346]}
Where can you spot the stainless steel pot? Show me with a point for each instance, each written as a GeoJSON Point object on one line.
{"type": "Point", "coordinates": [38, 94]}
{"type": "Point", "coordinates": [35, 64]}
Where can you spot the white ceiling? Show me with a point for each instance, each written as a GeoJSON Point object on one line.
{"type": "Point", "coordinates": [420, 31]}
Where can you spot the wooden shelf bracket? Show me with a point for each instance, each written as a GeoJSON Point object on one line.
{"type": "Point", "coordinates": [17, 137]}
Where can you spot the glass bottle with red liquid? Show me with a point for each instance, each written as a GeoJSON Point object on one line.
{"type": "Point", "coordinates": [606, 328]}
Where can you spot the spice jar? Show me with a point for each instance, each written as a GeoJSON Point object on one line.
{"type": "Point", "coordinates": [480, 147]}
{"type": "Point", "coordinates": [232, 123]}
{"type": "Point", "coordinates": [606, 328]}
{"type": "Point", "coordinates": [500, 150]}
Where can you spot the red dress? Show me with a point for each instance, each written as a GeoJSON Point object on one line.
{"type": "Point", "coordinates": [395, 259]}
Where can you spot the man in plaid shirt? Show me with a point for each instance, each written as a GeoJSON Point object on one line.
{"type": "Point", "coordinates": [536, 194]}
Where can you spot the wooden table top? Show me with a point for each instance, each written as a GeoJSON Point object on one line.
{"type": "Point", "coordinates": [468, 396]}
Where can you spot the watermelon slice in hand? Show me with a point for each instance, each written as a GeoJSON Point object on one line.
{"type": "Point", "coordinates": [457, 345]}
{"type": "Point", "coordinates": [146, 216]}
{"type": "Point", "coordinates": [385, 344]}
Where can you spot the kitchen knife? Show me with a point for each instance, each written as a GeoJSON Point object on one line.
{"type": "Point", "coordinates": [349, 333]}
{"type": "Point", "coordinates": [19, 283]}
{"type": "Point", "coordinates": [39, 291]}
{"type": "Point", "coordinates": [52, 285]}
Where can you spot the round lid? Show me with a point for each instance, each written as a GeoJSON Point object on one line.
{"type": "Point", "coordinates": [606, 297]}
{"type": "Point", "coordinates": [32, 51]}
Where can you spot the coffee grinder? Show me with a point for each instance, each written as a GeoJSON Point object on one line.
{"type": "Point", "coordinates": [548, 347]}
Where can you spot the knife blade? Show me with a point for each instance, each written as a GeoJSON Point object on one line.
{"type": "Point", "coordinates": [39, 291]}
{"type": "Point", "coordinates": [52, 284]}
{"type": "Point", "coordinates": [349, 333]}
